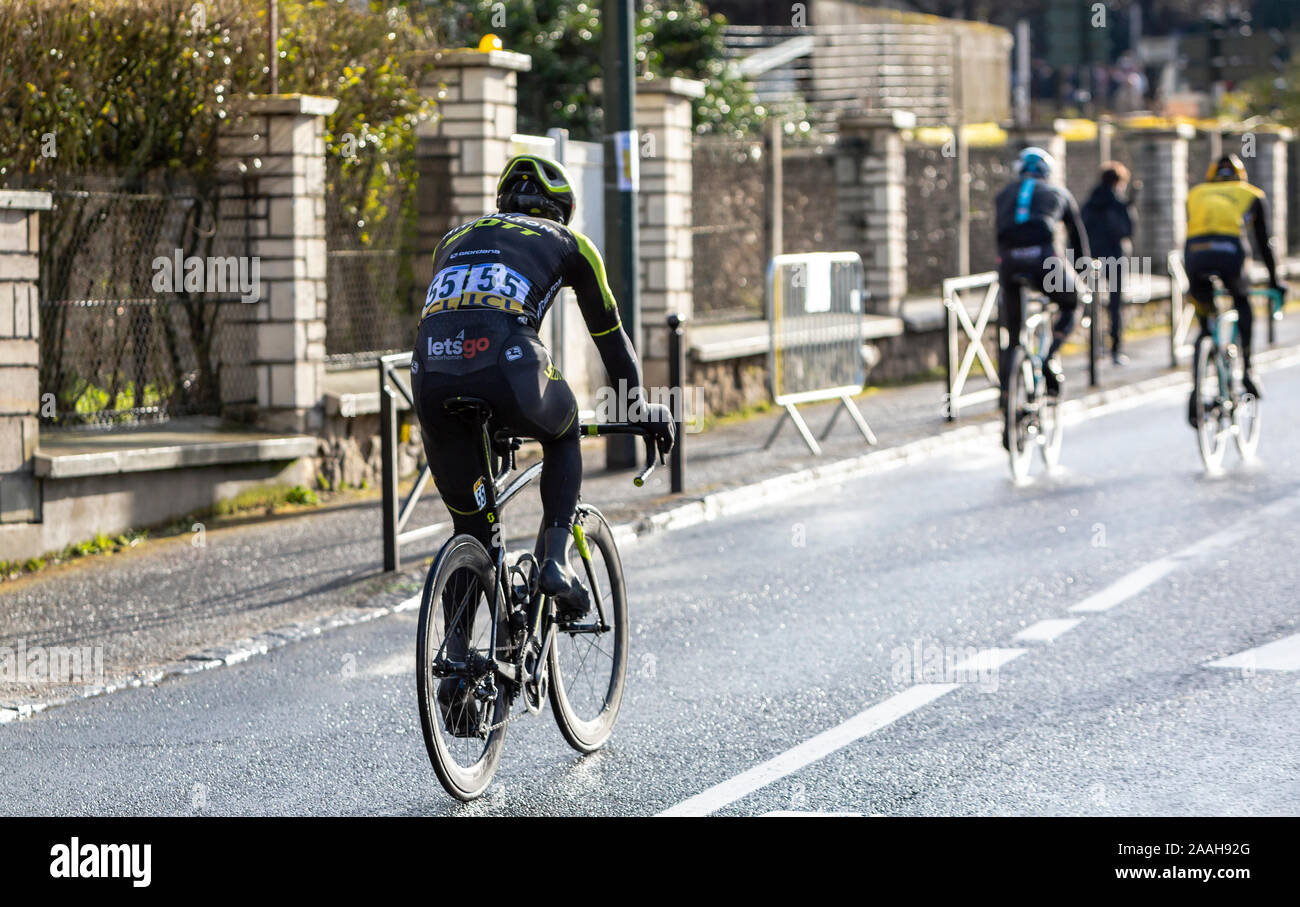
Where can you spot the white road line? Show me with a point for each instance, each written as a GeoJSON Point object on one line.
{"type": "Point", "coordinates": [808, 752]}
{"type": "Point", "coordinates": [1047, 630]}
{"type": "Point", "coordinates": [986, 660]}
{"type": "Point", "coordinates": [1280, 655]}
{"type": "Point", "coordinates": [860, 725]}
{"type": "Point", "coordinates": [1147, 575]}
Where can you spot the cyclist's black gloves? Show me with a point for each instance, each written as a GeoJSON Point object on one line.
{"type": "Point", "coordinates": [659, 419]}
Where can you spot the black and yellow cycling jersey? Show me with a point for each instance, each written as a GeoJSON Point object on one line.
{"type": "Point", "coordinates": [1217, 211]}
{"type": "Point", "coordinates": [516, 264]}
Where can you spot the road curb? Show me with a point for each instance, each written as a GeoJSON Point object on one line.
{"type": "Point", "coordinates": [729, 502]}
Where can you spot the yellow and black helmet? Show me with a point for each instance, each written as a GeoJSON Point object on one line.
{"type": "Point", "coordinates": [1228, 167]}
{"type": "Point", "coordinates": [532, 184]}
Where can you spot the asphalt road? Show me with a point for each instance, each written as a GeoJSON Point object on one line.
{"type": "Point", "coordinates": [810, 656]}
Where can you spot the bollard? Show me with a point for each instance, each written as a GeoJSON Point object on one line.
{"type": "Point", "coordinates": [676, 375]}
{"type": "Point", "coordinates": [1094, 331]}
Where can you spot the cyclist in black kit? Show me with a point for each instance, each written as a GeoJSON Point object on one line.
{"type": "Point", "coordinates": [494, 280]}
{"type": "Point", "coordinates": [1028, 210]}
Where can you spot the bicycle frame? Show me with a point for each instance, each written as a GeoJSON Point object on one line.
{"type": "Point", "coordinates": [1037, 327]}
{"type": "Point", "coordinates": [496, 498]}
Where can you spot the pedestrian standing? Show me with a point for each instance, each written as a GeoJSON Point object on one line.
{"type": "Point", "coordinates": [1108, 218]}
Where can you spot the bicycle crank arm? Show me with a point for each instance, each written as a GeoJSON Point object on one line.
{"type": "Point", "coordinates": [601, 627]}
{"type": "Point", "coordinates": [508, 671]}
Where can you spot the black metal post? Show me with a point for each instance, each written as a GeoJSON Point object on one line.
{"type": "Point", "coordinates": [676, 380]}
{"type": "Point", "coordinates": [388, 453]}
{"type": "Point", "coordinates": [618, 98]}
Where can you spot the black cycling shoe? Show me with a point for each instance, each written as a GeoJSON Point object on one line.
{"type": "Point", "coordinates": [460, 710]}
{"type": "Point", "coordinates": [1053, 377]}
{"type": "Point", "coordinates": [1191, 409]}
{"type": "Point", "coordinates": [572, 600]}
{"type": "Point", "coordinates": [1250, 384]}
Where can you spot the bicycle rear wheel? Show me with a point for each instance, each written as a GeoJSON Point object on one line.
{"type": "Point", "coordinates": [588, 663]}
{"type": "Point", "coordinates": [463, 706]}
{"type": "Point", "coordinates": [1017, 417]}
{"type": "Point", "coordinates": [1213, 424]}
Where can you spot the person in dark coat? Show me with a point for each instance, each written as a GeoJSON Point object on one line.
{"type": "Point", "coordinates": [1108, 218]}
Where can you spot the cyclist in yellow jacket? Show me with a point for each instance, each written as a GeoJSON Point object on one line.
{"type": "Point", "coordinates": [1217, 212]}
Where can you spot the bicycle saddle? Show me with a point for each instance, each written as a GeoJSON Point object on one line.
{"type": "Point", "coordinates": [469, 407]}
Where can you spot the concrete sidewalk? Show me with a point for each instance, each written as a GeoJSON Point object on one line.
{"type": "Point", "coordinates": [283, 578]}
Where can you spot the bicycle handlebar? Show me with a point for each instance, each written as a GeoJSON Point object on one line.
{"type": "Point", "coordinates": [598, 429]}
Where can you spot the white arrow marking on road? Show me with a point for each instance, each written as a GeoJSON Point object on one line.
{"type": "Point", "coordinates": [1047, 630]}
{"type": "Point", "coordinates": [860, 725]}
{"type": "Point", "coordinates": [1280, 655]}
{"type": "Point", "coordinates": [1133, 583]}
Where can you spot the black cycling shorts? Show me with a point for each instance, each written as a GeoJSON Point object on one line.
{"type": "Point", "coordinates": [492, 356]}
{"type": "Point", "coordinates": [1225, 259]}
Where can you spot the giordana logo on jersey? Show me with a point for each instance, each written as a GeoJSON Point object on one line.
{"type": "Point", "coordinates": [514, 354]}
{"type": "Point", "coordinates": [458, 347]}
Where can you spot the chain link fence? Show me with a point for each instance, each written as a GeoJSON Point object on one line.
{"type": "Point", "coordinates": [125, 339]}
{"type": "Point", "coordinates": [729, 201]}
{"type": "Point", "coordinates": [728, 192]}
{"type": "Point", "coordinates": [372, 307]}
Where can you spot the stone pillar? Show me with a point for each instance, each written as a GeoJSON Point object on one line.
{"type": "Point", "coordinates": [663, 117]}
{"type": "Point", "coordinates": [275, 150]}
{"type": "Point", "coordinates": [1160, 161]}
{"type": "Point", "coordinates": [20, 491]}
{"type": "Point", "coordinates": [1049, 136]}
{"type": "Point", "coordinates": [462, 152]}
{"type": "Point", "coordinates": [870, 169]}
{"type": "Point", "coordinates": [1264, 152]}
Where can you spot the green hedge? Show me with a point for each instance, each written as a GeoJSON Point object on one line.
{"type": "Point", "coordinates": [131, 88]}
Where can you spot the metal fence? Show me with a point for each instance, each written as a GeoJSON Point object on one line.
{"type": "Point", "coordinates": [125, 339]}
{"type": "Point", "coordinates": [815, 317]}
{"type": "Point", "coordinates": [371, 309]}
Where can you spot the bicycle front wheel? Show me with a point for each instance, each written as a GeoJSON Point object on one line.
{"type": "Point", "coordinates": [1245, 415]}
{"type": "Point", "coordinates": [1053, 430]}
{"type": "Point", "coordinates": [1018, 420]}
{"type": "Point", "coordinates": [1212, 423]}
{"type": "Point", "coordinates": [588, 662]}
{"type": "Point", "coordinates": [463, 705]}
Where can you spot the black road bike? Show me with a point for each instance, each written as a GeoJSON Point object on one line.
{"type": "Point", "coordinates": [489, 638]}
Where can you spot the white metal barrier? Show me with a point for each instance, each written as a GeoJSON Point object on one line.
{"type": "Point", "coordinates": [956, 291]}
{"type": "Point", "coordinates": [1182, 315]}
{"type": "Point", "coordinates": [815, 316]}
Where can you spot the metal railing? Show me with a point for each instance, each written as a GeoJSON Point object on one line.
{"type": "Point", "coordinates": [958, 364]}
{"type": "Point", "coordinates": [392, 368]}
{"type": "Point", "coordinates": [961, 327]}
